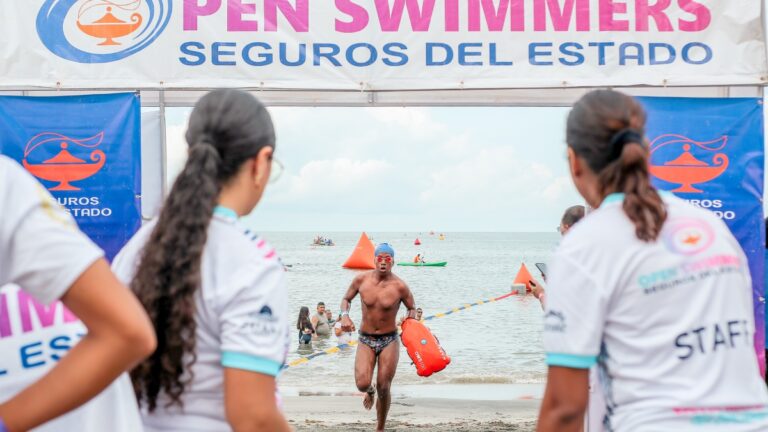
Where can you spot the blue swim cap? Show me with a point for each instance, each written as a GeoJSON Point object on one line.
{"type": "Point", "coordinates": [384, 248]}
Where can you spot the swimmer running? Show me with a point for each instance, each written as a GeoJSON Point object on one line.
{"type": "Point", "coordinates": [381, 293]}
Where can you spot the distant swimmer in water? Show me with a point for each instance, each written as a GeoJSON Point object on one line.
{"type": "Point", "coordinates": [381, 293]}
{"type": "Point", "coordinates": [654, 291]}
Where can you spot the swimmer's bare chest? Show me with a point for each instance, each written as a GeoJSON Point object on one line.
{"type": "Point", "coordinates": [380, 302]}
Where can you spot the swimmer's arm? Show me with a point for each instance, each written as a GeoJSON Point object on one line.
{"type": "Point", "coordinates": [408, 301]}
{"type": "Point", "coordinates": [565, 400]}
{"type": "Point", "coordinates": [351, 293]}
{"type": "Point", "coordinates": [346, 302]}
{"type": "Point", "coordinates": [249, 399]}
{"type": "Point", "coordinates": [119, 336]}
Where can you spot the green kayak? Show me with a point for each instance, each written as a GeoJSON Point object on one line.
{"type": "Point", "coordinates": [429, 264]}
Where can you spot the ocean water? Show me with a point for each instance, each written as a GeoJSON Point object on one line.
{"type": "Point", "coordinates": [495, 343]}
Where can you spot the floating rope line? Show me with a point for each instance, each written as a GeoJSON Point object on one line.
{"type": "Point", "coordinates": [343, 347]}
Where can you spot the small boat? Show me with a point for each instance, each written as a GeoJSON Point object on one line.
{"type": "Point", "coordinates": [322, 241]}
{"type": "Point", "coordinates": [426, 264]}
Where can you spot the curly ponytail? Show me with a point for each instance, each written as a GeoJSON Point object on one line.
{"type": "Point", "coordinates": [606, 129]}
{"type": "Point", "coordinates": [226, 128]}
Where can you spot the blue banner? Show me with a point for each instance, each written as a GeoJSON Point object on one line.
{"type": "Point", "coordinates": [710, 152]}
{"type": "Point", "coordinates": [86, 151]}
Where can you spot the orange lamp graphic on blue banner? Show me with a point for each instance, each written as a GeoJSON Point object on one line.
{"type": "Point", "coordinates": [65, 168]}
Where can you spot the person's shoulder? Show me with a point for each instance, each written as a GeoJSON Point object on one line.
{"type": "Point", "coordinates": [10, 168]}
{"type": "Point", "coordinates": [399, 282]}
{"type": "Point", "coordinates": [241, 245]}
{"type": "Point", "coordinates": [360, 278]}
{"type": "Point", "coordinates": [677, 207]}
{"type": "Point", "coordinates": [680, 209]}
{"type": "Point", "coordinates": [19, 184]}
{"type": "Point", "coordinates": [127, 259]}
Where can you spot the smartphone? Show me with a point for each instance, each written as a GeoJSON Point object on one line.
{"type": "Point", "coordinates": [542, 269]}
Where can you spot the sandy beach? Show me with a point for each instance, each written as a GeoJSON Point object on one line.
{"type": "Point", "coordinates": [346, 413]}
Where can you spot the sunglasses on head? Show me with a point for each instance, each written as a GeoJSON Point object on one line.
{"type": "Point", "coordinates": [381, 258]}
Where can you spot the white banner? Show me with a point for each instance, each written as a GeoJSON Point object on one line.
{"type": "Point", "coordinates": [379, 44]}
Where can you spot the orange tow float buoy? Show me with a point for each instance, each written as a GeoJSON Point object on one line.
{"type": "Point", "coordinates": [423, 348]}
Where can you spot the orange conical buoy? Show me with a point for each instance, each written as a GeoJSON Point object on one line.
{"type": "Point", "coordinates": [417, 242]}
{"type": "Point", "coordinates": [524, 277]}
{"type": "Point", "coordinates": [362, 256]}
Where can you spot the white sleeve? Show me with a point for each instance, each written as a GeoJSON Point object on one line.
{"type": "Point", "coordinates": [574, 315]}
{"type": "Point", "coordinates": [43, 250]}
{"type": "Point", "coordinates": [254, 319]}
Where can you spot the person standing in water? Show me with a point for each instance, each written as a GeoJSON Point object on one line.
{"type": "Point", "coordinates": [320, 321]}
{"type": "Point", "coordinates": [304, 326]}
{"type": "Point", "coordinates": [655, 291]}
{"type": "Point", "coordinates": [343, 337]}
{"type": "Point", "coordinates": [215, 290]}
{"type": "Point", "coordinates": [381, 293]}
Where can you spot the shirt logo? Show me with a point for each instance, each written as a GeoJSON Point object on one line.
{"type": "Point", "coordinates": [554, 321]}
{"type": "Point", "coordinates": [687, 236]}
{"type": "Point", "coordinates": [101, 31]}
{"type": "Point", "coordinates": [685, 169]}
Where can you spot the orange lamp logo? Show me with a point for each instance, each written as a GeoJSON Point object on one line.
{"type": "Point", "coordinates": [64, 168]}
{"type": "Point", "coordinates": [109, 27]}
{"type": "Point", "coordinates": [686, 170]}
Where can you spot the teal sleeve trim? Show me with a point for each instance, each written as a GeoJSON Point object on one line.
{"type": "Point", "coordinates": [571, 360]}
{"type": "Point", "coordinates": [250, 363]}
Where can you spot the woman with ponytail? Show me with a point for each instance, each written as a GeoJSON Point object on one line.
{"type": "Point", "coordinates": [653, 290]}
{"type": "Point", "coordinates": [215, 291]}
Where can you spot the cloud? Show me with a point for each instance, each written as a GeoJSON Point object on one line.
{"type": "Point", "coordinates": [559, 188]}
{"type": "Point", "coordinates": [341, 184]}
{"type": "Point", "coordinates": [412, 168]}
{"type": "Point", "coordinates": [413, 121]}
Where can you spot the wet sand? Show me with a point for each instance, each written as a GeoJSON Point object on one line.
{"type": "Point", "coordinates": [346, 413]}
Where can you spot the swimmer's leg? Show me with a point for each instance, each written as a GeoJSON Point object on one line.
{"type": "Point", "coordinates": [365, 360]}
{"type": "Point", "coordinates": [387, 367]}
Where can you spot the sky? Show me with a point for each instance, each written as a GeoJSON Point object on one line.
{"type": "Point", "coordinates": [411, 169]}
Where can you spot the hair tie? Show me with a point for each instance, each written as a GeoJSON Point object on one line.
{"type": "Point", "coordinates": [622, 138]}
{"type": "Point", "coordinates": [205, 141]}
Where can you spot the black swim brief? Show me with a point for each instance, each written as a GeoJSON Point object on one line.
{"type": "Point", "coordinates": [377, 342]}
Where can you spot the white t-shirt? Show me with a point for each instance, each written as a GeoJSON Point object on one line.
{"type": "Point", "coordinates": [242, 320]}
{"type": "Point", "coordinates": [670, 323]}
{"type": "Point", "coordinates": [344, 337]}
{"type": "Point", "coordinates": [43, 252]}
